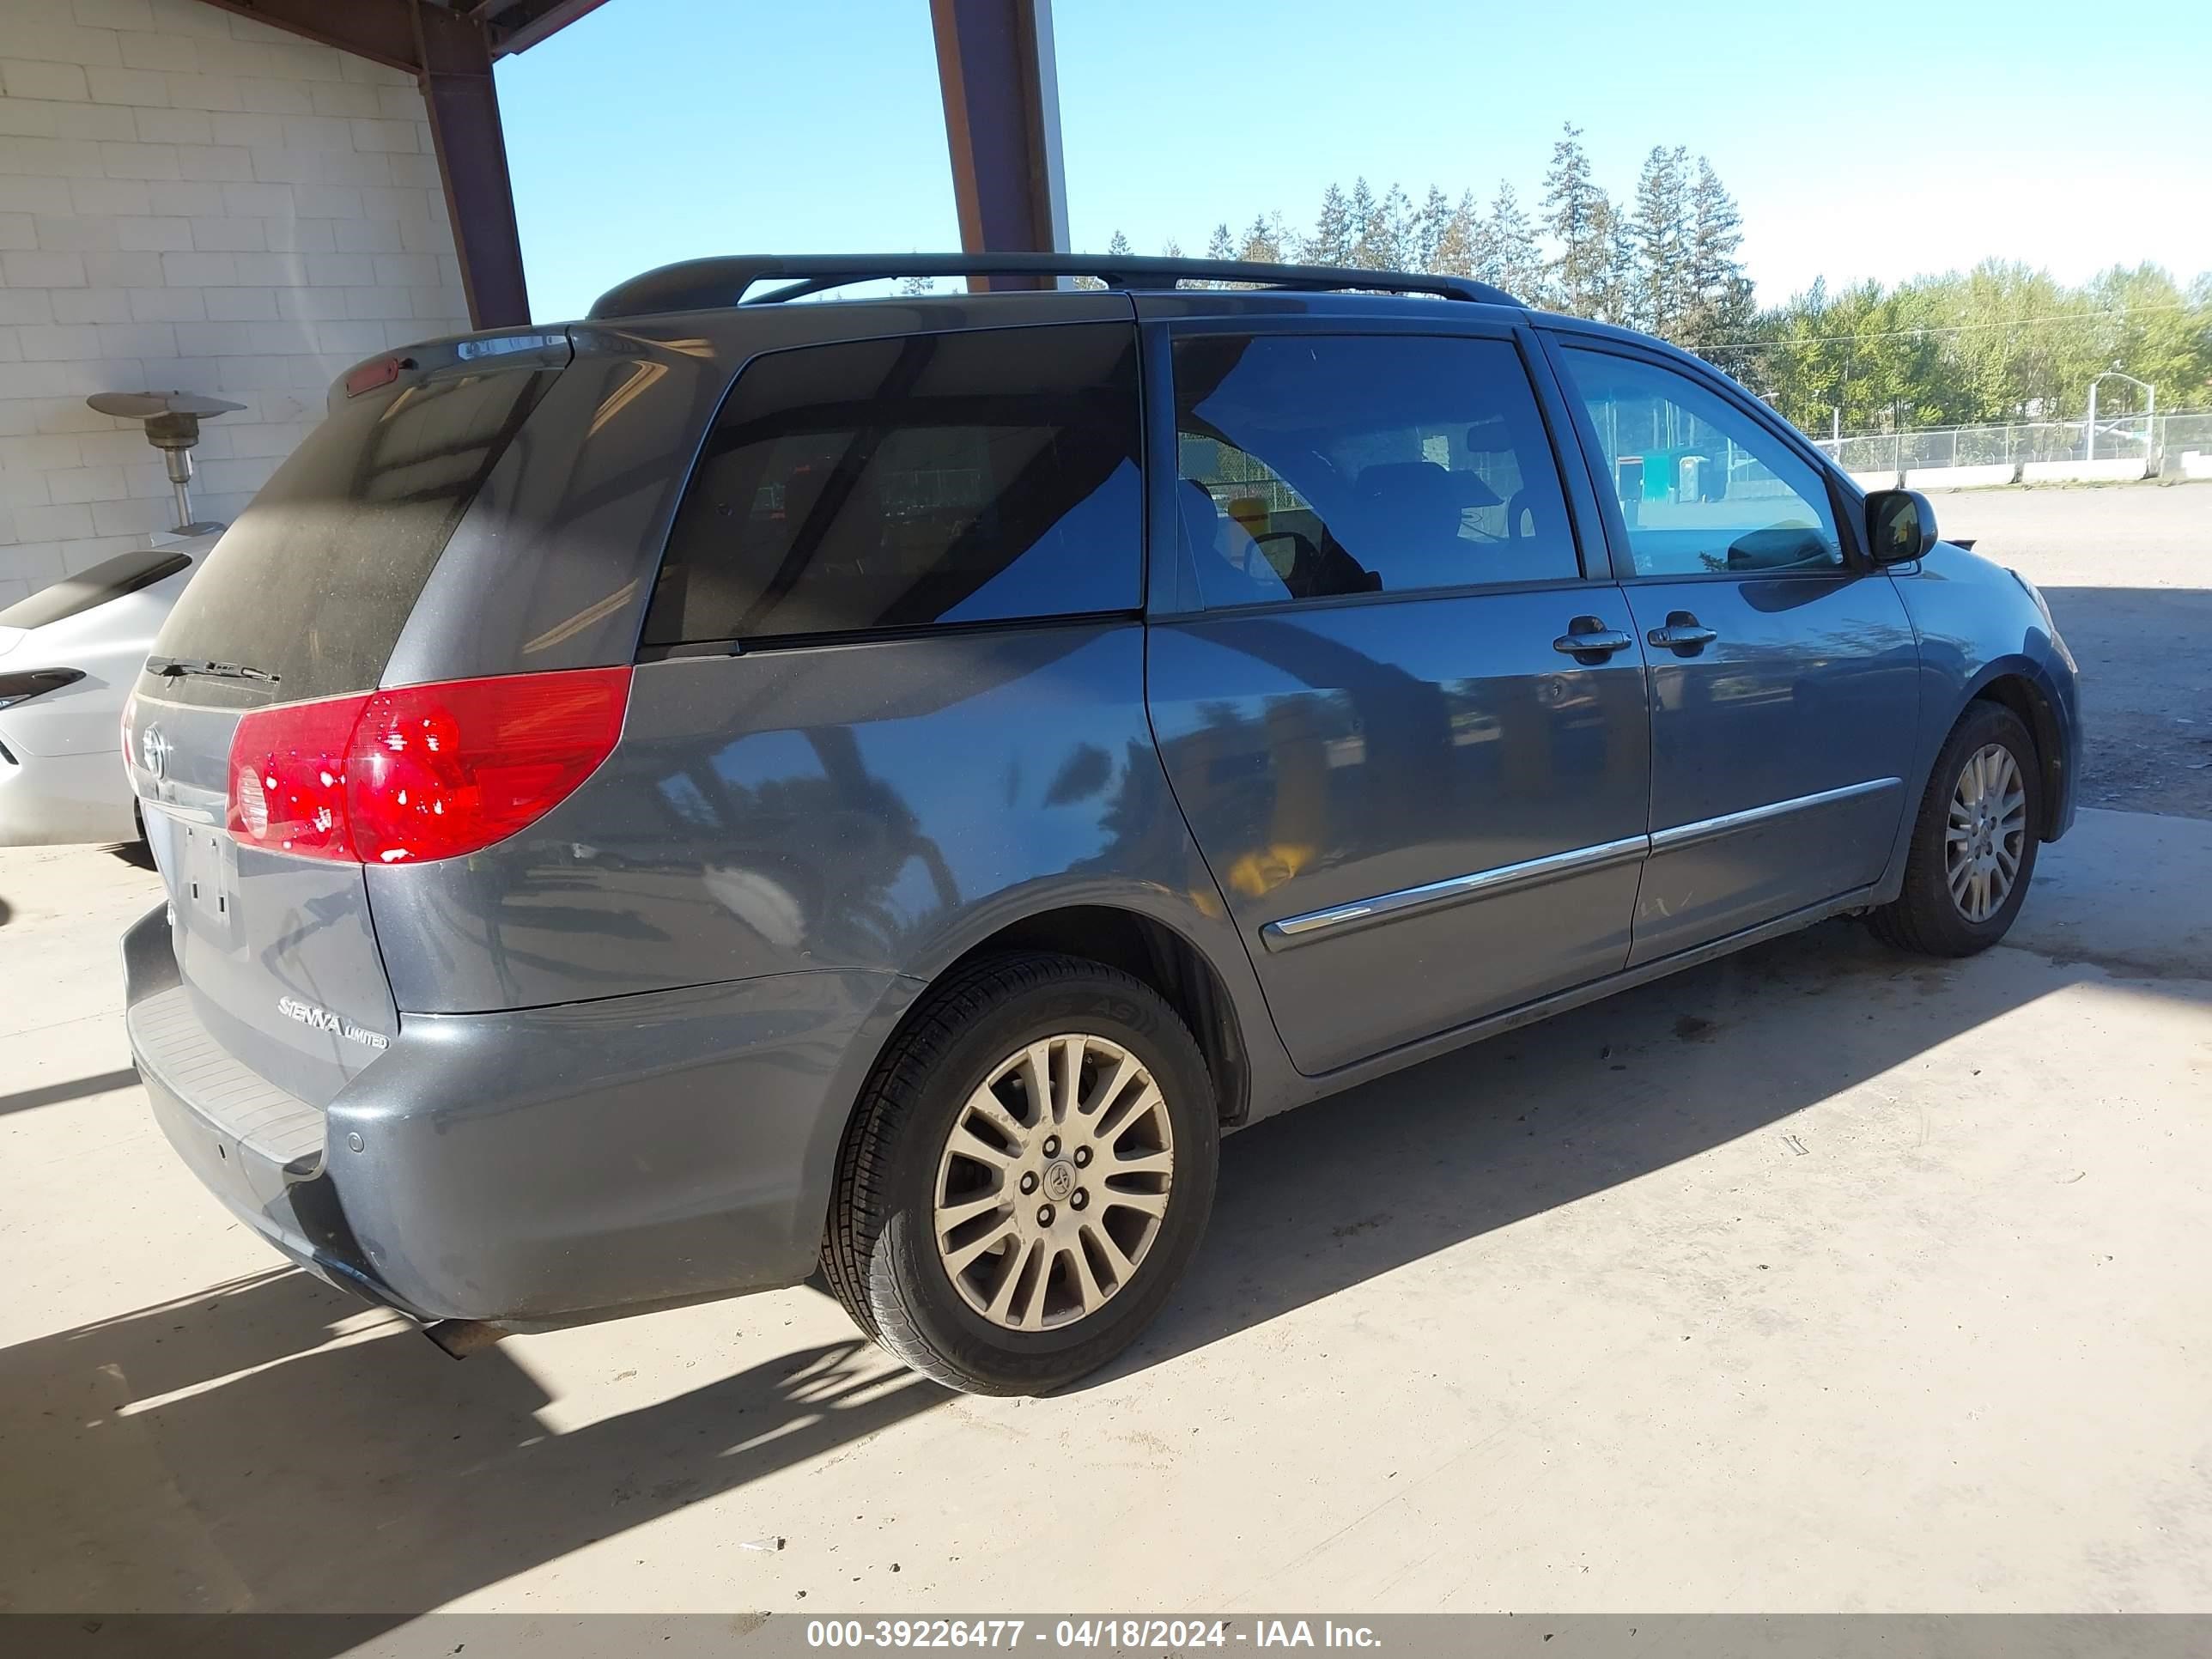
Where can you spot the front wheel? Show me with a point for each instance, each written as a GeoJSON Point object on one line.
{"type": "Point", "coordinates": [1973, 845]}
{"type": "Point", "coordinates": [1026, 1178]}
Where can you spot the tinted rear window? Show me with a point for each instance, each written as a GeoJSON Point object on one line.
{"type": "Point", "coordinates": [126, 573]}
{"type": "Point", "coordinates": [934, 478]}
{"type": "Point", "coordinates": [315, 581]}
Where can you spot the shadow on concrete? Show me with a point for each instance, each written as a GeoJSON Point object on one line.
{"type": "Point", "coordinates": [272, 1444]}
{"type": "Point", "coordinates": [76, 1088]}
{"type": "Point", "coordinates": [136, 853]}
{"type": "Point", "coordinates": [2145, 657]}
{"type": "Point", "coordinates": [1339, 1192]}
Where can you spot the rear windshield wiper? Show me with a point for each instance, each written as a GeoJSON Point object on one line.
{"type": "Point", "coordinates": [170, 668]}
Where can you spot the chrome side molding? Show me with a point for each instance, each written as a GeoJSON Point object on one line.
{"type": "Point", "coordinates": [1342, 918]}
{"type": "Point", "coordinates": [1688, 834]}
{"type": "Point", "coordinates": [1455, 890]}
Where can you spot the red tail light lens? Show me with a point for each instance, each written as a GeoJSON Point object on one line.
{"type": "Point", "coordinates": [421, 772]}
{"type": "Point", "coordinates": [288, 777]}
{"type": "Point", "coordinates": [438, 770]}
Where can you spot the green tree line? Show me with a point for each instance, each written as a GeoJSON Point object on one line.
{"type": "Point", "coordinates": [2002, 341]}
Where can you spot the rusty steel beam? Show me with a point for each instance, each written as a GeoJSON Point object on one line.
{"type": "Point", "coordinates": [377, 29]}
{"type": "Point", "coordinates": [519, 25]}
{"type": "Point", "coordinates": [450, 57]}
{"type": "Point", "coordinates": [995, 65]}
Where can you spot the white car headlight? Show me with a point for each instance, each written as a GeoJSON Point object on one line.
{"type": "Point", "coordinates": [23, 686]}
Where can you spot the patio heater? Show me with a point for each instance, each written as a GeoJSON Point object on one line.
{"type": "Point", "coordinates": [172, 421]}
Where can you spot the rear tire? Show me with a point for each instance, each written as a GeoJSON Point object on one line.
{"type": "Point", "coordinates": [1026, 1176]}
{"type": "Point", "coordinates": [1972, 852]}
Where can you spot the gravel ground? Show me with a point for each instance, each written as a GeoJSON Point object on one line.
{"type": "Point", "coordinates": [2128, 571]}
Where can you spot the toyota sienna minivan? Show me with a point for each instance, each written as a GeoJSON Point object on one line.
{"type": "Point", "coordinates": [652, 806]}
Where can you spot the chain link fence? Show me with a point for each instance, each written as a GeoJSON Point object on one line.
{"type": "Point", "coordinates": [2165, 443]}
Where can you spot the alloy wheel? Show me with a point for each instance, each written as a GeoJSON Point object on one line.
{"type": "Point", "coordinates": [1986, 832]}
{"type": "Point", "coordinates": [1054, 1182]}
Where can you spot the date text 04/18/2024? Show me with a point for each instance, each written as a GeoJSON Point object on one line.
{"type": "Point", "coordinates": [1179, 1634]}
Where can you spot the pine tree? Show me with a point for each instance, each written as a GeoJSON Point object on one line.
{"type": "Point", "coordinates": [1614, 300]}
{"type": "Point", "coordinates": [1171, 249]}
{"type": "Point", "coordinates": [1579, 215]}
{"type": "Point", "coordinates": [1360, 207]}
{"type": "Point", "coordinates": [1265, 240]}
{"type": "Point", "coordinates": [1331, 241]}
{"type": "Point", "coordinates": [1455, 251]}
{"type": "Point", "coordinates": [1385, 228]}
{"type": "Point", "coordinates": [910, 286]}
{"type": "Point", "coordinates": [1718, 306]}
{"type": "Point", "coordinates": [1660, 229]}
{"type": "Point", "coordinates": [1506, 252]}
{"type": "Point", "coordinates": [1482, 247]}
{"type": "Point", "coordinates": [1430, 226]}
{"type": "Point", "coordinates": [1219, 248]}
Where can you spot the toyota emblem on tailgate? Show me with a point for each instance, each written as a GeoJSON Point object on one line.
{"type": "Point", "coordinates": [156, 749]}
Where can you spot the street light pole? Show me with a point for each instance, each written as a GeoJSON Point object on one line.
{"type": "Point", "coordinates": [2089, 424]}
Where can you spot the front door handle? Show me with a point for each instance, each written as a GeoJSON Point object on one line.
{"type": "Point", "coordinates": [1683, 632]}
{"type": "Point", "coordinates": [1589, 637]}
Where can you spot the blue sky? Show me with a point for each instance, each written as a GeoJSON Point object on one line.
{"type": "Point", "coordinates": [1911, 137]}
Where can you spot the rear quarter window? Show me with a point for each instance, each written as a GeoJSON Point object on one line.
{"type": "Point", "coordinates": [315, 581]}
{"type": "Point", "coordinates": [929, 479]}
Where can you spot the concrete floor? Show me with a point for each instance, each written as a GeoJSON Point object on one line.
{"type": "Point", "coordinates": [1819, 1279]}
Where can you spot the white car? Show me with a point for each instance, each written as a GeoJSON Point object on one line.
{"type": "Point", "coordinates": [68, 656]}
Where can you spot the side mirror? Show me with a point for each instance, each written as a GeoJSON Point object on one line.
{"type": "Point", "coordinates": [1900, 525]}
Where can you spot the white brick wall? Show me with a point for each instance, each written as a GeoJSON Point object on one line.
{"type": "Point", "coordinates": [191, 199]}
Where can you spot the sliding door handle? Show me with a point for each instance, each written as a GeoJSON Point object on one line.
{"type": "Point", "coordinates": [1683, 632]}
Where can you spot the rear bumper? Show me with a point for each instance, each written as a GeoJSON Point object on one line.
{"type": "Point", "coordinates": [551, 1165]}
{"type": "Point", "coordinates": [276, 1188]}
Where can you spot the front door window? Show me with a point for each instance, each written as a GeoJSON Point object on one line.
{"type": "Point", "coordinates": [1704, 489]}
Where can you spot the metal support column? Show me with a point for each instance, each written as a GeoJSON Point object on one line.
{"type": "Point", "coordinates": [454, 53]}
{"type": "Point", "coordinates": [995, 64]}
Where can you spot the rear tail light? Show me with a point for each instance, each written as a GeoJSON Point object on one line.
{"type": "Point", "coordinates": [421, 772]}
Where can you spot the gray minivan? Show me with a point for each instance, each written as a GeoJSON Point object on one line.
{"type": "Point", "coordinates": [653, 805]}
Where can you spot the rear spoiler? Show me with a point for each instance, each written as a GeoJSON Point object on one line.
{"type": "Point", "coordinates": [454, 353]}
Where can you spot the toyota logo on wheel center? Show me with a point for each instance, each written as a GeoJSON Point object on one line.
{"type": "Point", "coordinates": [1059, 1180]}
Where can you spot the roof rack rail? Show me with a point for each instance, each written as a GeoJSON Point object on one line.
{"type": "Point", "coordinates": [701, 284]}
